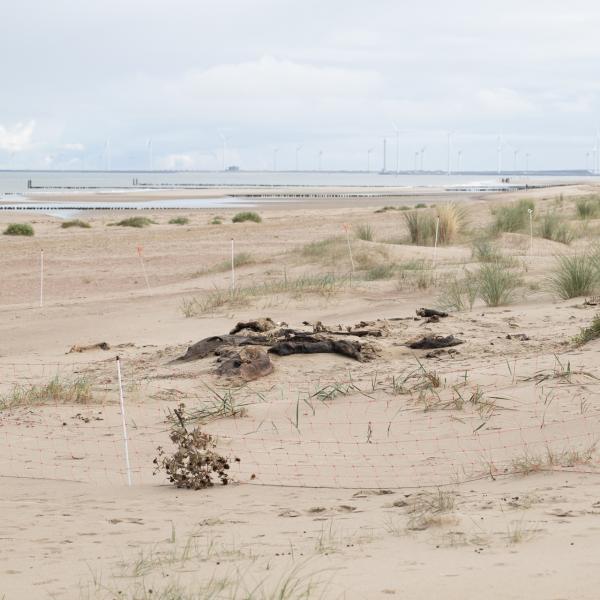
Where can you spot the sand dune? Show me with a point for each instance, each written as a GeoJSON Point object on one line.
{"type": "Point", "coordinates": [459, 474]}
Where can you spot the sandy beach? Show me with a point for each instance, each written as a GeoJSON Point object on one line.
{"type": "Point", "coordinates": [457, 472]}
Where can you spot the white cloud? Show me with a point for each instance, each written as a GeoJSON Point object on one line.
{"type": "Point", "coordinates": [16, 138]}
{"type": "Point", "coordinates": [272, 79]}
{"type": "Point", "coordinates": [336, 82]}
{"type": "Point", "coordinates": [178, 161]}
{"type": "Point", "coordinates": [76, 147]}
{"type": "Point", "coordinates": [504, 101]}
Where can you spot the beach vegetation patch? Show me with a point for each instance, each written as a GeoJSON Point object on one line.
{"type": "Point", "coordinates": [421, 227]}
{"type": "Point", "coordinates": [19, 229]}
{"type": "Point", "coordinates": [574, 276]}
{"type": "Point", "coordinates": [587, 207]}
{"type": "Point", "coordinates": [75, 223]}
{"type": "Point", "coordinates": [496, 284]}
{"type": "Point", "coordinates": [179, 221]}
{"type": "Point", "coordinates": [138, 222]}
{"type": "Point", "coordinates": [247, 216]}
{"type": "Point", "coordinates": [364, 232]}
{"type": "Point", "coordinates": [553, 227]}
{"type": "Point", "coordinates": [512, 218]}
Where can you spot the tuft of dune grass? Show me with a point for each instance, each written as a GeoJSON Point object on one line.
{"type": "Point", "coordinates": [452, 219]}
{"type": "Point", "coordinates": [179, 221]}
{"type": "Point", "coordinates": [574, 276]}
{"type": "Point", "coordinates": [421, 227]}
{"type": "Point", "coordinates": [138, 222]}
{"type": "Point", "coordinates": [364, 232]}
{"type": "Point", "coordinates": [19, 229]}
{"type": "Point", "coordinates": [56, 391]}
{"type": "Point", "coordinates": [512, 218]}
{"type": "Point", "coordinates": [553, 227]}
{"type": "Point", "coordinates": [247, 216]}
{"type": "Point", "coordinates": [496, 284]}
{"type": "Point", "coordinates": [75, 223]}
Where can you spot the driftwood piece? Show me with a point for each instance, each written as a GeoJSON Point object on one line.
{"type": "Point", "coordinates": [247, 363]}
{"type": "Point", "coordinates": [257, 325]}
{"type": "Point", "coordinates": [355, 332]}
{"type": "Point", "coordinates": [430, 312]}
{"type": "Point", "coordinates": [429, 342]}
{"type": "Point", "coordinates": [315, 345]}
{"type": "Point", "coordinates": [212, 345]}
{"type": "Point", "coordinates": [293, 341]}
{"type": "Point", "coordinates": [438, 352]}
{"type": "Point", "coordinates": [362, 329]}
{"type": "Point", "coordinates": [283, 341]}
{"type": "Point", "coordinates": [434, 319]}
{"type": "Point", "coordinates": [100, 346]}
{"type": "Point", "coordinates": [521, 337]}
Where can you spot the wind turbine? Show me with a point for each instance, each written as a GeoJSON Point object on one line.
{"type": "Point", "coordinates": [527, 156]}
{"type": "Point", "coordinates": [499, 150]}
{"type": "Point", "coordinates": [422, 155]}
{"type": "Point", "coordinates": [275, 151]}
{"type": "Point", "coordinates": [417, 161]}
{"type": "Point", "coordinates": [320, 159]}
{"type": "Point", "coordinates": [597, 152]}
{"type": "Point", "coordinates": [224, 138]}
{"type": "Point", "coordinates": [449, 171]}
{"type": "Point", "coordinates": [150, 157]}
{"type": "Point", "coordinates": [298, 148]}
{"type": "Point", "coordinates": [515, 157]}
{"type": "Point", "coordinates": [107, 154]}
{"type": "Point", "coordinates": [369, 159]}
{"type": "Point", "coordinates": [397, 147]}
{"type": "Point", "coordinates": [458, 159]}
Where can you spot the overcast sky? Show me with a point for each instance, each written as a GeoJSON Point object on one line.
{"type": "Point", "coordinates": [329, 75]}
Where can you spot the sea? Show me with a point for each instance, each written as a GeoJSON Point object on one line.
{"type": "Point", "coordinates": [15, 186]}
{"type": "Point", "coordinates": [15, 182]}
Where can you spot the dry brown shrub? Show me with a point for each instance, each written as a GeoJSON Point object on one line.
{"type": "Point", "coordinates": [195, 464]}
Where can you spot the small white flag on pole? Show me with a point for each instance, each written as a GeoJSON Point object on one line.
{"type": "Point", "coordinates": [41, 278]}
{"type": "Point", "coordinates": [232, 266]}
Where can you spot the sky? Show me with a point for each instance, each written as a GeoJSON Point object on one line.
{"type": "Point", "coordinates": [263, 84]}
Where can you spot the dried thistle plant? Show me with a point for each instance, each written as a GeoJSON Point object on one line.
{"type": "Point", "coordinates": [195, 464]}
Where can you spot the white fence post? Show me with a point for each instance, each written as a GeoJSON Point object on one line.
{"type": "Point", "coordinates": [139, 251]}
{"type": "Point", "coordinates": [435, 244]}
{"type": "Point", "coordinates": [347, 229]}
{"type": "Point", "coordinates": [41, 278]}
{"type": "Point", "coordinates": [530, 211]}
{"type": "Point", "coordinates": [124, 421]}
{"type": "Point", "coordinates": [232, 266]}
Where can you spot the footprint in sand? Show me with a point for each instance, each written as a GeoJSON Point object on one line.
{"type": "Point", "coordinates": [135, 521]}
{"type": "Point", "coordinates": [289, 513]}
{"type": "Point", "coordinates": [561, 512]}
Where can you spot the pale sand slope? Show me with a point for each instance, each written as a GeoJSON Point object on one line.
{"type": "Point", "coordinates": [510, 537]}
